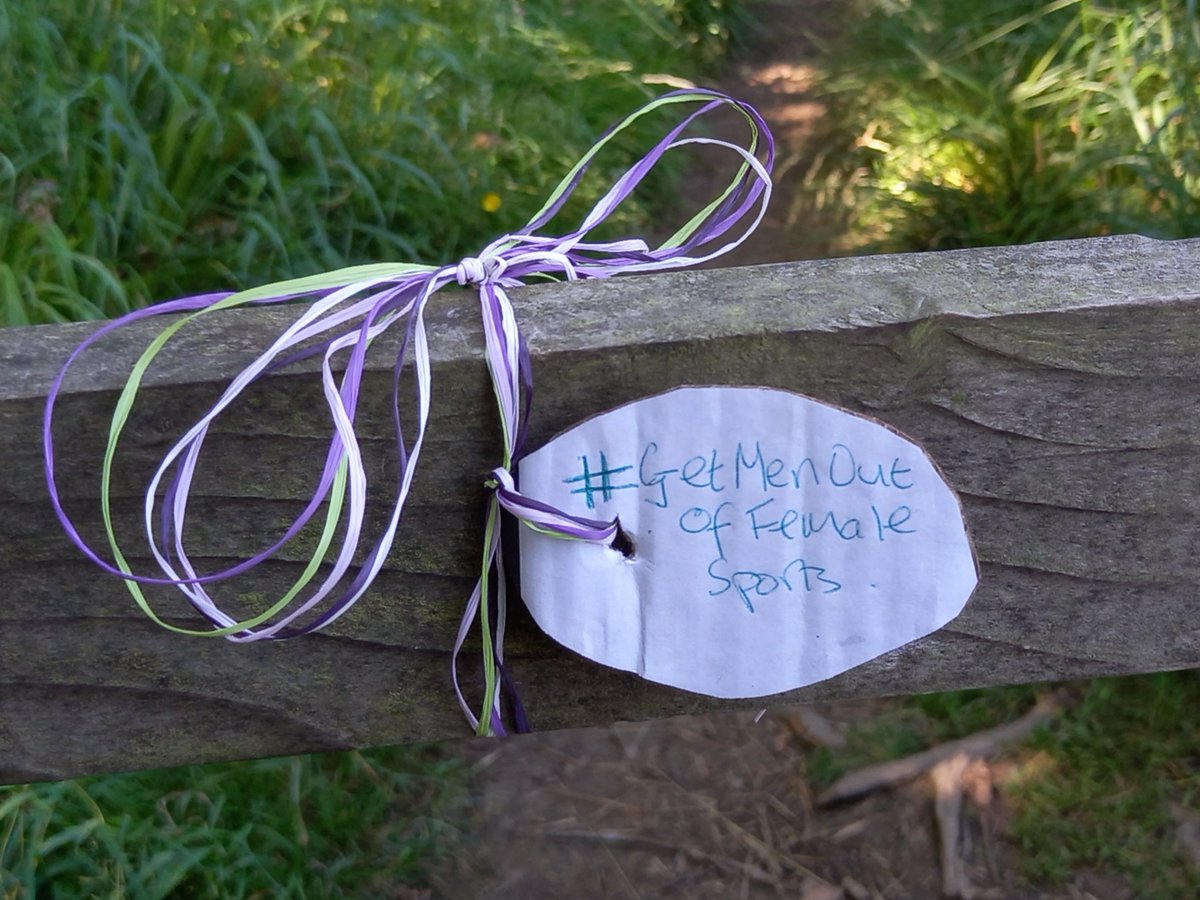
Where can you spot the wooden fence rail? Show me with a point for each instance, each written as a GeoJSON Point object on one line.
{"type": "Point", "coordinates": [1056, 385]}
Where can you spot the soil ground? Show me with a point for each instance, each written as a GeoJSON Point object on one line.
{"type": "Point", "coordinates": [721, 806]}
{"type": "Point", "coordinates": [709, 807]}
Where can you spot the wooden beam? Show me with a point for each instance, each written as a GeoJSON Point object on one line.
{"type": "Point", "coordinates": [1056, 385]}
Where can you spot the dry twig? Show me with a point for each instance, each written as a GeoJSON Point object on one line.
{"type": "Point", "coordinates": [809, 725]}
{"type": "Point", "coordinates": [898, 771]}
{"type": "Point", "coordinates": [947, 777]}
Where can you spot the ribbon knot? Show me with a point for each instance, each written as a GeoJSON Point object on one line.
{"type": "Point", "coordinates": [474, 270]}
{"type": "Point", "coordinates": [346, 311]}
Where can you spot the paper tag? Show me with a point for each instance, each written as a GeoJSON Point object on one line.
{"type": "Point", "coordinates": [777, 541]}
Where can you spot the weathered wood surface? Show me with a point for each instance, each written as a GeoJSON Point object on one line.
{"type": "Point", "coordinates": [1056, 385]}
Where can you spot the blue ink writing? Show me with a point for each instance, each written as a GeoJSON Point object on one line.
{"type": "Point", "coordinates": [897, 517]}
{"type": "Point", "coordinates": [768, 470]}
{"type": "Point", "coordinates": [812, 471]}
{"type": "Point", "coordinates": [698, 520]}
{"type": "Point", "coordinates": [658, 479]}
{"type": "Point", "coordinates": [606, 487]}
{"type": "Point", "coordinates": [698, 466]}
{"type": "Point", "coordinates": [748, 584]}
{"type": "Point", "coordinates": [844, 470]}
{"type": "Point", "coordinates": [823, 497]}
{"type": "Point", "coordinates": [848, 529]}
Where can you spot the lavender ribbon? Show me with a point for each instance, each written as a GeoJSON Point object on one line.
{"type": "Point", "coordinates": [345, 312]}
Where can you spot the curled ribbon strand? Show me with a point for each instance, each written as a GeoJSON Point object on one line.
{"type": "Point", "coordinates": [347, 311]}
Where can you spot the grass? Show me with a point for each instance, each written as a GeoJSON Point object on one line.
{"type": "Point", "coordinates": [1094, 790]}
{"type": "Point", "coordinates": [1114, 767]}
{"type": "Point", "coordinates": [958, 124]}
{"type": "Point", "coordinates": [151, 148]}
{"type": "Point", "coordinates": [328, 825]}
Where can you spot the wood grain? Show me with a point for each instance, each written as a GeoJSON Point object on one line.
{"type": "Point", "coordinates": [1056, 386]}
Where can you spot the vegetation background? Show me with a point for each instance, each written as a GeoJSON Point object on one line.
{"type": "Point", "coordinates": [956, 124]}
{"type": "Point", "coordinates": [151, 148]}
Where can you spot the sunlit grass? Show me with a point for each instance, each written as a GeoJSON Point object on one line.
{"type": "Point", "coordinates": [995, 122]}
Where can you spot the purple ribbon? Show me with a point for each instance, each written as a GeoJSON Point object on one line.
{"type": "Point", "coordinates": [344, 312]}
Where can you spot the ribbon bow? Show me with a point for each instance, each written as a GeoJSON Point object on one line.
{"type": "Point", "coordinates": [350, 308]}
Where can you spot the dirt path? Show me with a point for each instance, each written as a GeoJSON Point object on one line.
{"type": "Point", "coordinates": [778, 78]}
{"type": "Point", "coordinates": [718, 806]}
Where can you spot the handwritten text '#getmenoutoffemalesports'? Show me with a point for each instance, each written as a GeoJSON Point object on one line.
{"type": "Point", "coordinates": [747, 489]}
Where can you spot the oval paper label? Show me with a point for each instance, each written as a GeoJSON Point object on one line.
{"type": "Point", "coordinates": [777, 541]}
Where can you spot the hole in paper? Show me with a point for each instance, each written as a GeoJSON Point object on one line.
{"type": "Point", "coordinates": [622, 542]}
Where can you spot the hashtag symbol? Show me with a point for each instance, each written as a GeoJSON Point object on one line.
{"type": "Point", "coordinates": [587, 480]}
